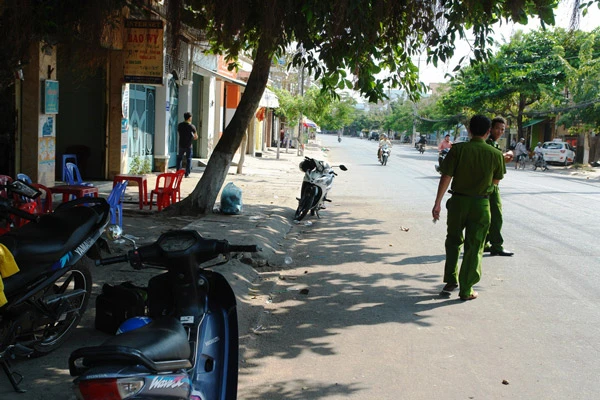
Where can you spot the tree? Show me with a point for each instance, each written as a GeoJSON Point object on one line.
{"type": "Point", "coordinates": [517, 77]}
{"type": "Point", "coordinates": [359, 36]}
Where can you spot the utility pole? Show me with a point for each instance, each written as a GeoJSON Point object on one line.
{"type": "Point", "coordinates": [300, 125]}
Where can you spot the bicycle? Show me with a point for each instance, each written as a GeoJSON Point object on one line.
{"type": "Point", "coordinates": [522, 161]}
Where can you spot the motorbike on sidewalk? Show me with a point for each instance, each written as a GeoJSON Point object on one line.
{"type": "Point", "coordinates": [441, 156]}
{"type": "Point", "coordinates": [50, 282]}
{"type": "Point", "coordinates": [317, 182]}
{"type": "Point", "coordinates": [384, 154]}
{"type": "Point", "coordinates": [189, 350]}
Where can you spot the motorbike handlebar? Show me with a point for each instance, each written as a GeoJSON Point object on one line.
{"type": "Point", "coordinates": [112, 260]}
{"type": "Point", "coordinates": [243, 248]}
{"type": "Point", "coordinates": [8, 209]}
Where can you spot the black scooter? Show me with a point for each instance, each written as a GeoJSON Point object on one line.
{"type": "Point", "coordinates": [47, 297]}
{"type": "Point", "coordinates": [190, 349]}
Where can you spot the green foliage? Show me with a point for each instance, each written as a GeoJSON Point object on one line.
{"type": "Point", "coordinates": [358, 36]}
{"type": "Point", "coordinates": [524, 74]}
{"type": "Point", "coordinates": [140, 166]}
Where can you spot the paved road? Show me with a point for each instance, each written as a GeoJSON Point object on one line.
{"type": "Point", "coordinates": [372, 325]}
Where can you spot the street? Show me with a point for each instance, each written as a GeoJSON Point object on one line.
{"type": "Point", "coordinates": [373, 326]}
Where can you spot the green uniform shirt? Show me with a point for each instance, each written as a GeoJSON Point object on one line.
{"type": "Point", "coordinates": [473, 166]}
{"type": "Point", "coordinates": [491, 142]}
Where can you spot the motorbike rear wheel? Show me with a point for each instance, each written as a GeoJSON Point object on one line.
{"type": "Point", "coordinates": [306, 202]}
{"type": "Point", "coordinates": [52, 335]}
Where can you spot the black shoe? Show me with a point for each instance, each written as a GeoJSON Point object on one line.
{"type": "Point", "coordinates": [503, 253]}
{"type": "Point", "coordinates": [187, 175]}
{"type": "Point", "coordinates": [449, 287]}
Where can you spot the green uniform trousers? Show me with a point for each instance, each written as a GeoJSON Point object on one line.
{"type": "Point", "coordinates": [471, 215]}
{"type": "Point", "coordinates": [494, 236]}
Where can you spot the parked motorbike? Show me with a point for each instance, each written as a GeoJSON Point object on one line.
{"type": "Point", "coordinates": [48, 295]}
{"type": "Point", "coordinates": [384, 154]}
{"type": "Point", "coordinates": [190, 349]}
{"type": "Point", "coordinates": [441, 156]}
{"type": "Point", "coordinates": [317, 182]}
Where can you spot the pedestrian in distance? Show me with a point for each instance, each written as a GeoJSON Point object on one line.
{"type": "Point", "coordinates": [473, 168]}
{"type": "Point", "coordinates": [494, 241]}
{"type": "Point", "coordinates": [187, 134]}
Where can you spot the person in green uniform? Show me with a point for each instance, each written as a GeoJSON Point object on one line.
{"type": "Point", "coordinates": [494, 240]}
{"type": "Point", "coordinates": [473, 168]}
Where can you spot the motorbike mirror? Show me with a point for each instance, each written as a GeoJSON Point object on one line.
{"type": "Point", "coordinates": [114, 232]}
{"type": "Point", "coordinates": [343, 167]}
{"type": "Point", "coordinates": [23, 189]}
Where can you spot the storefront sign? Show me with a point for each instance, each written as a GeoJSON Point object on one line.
{"type": "Point", "coordinates": [143, 51]}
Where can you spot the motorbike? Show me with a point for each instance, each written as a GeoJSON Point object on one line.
{"type": "Point", "coordinates": [384, 154]}
{"type": "Point", "coordinates": [339, 139]}
{"type": "Point", "coordinates": [189, 350]}
{"type": "Point", "coordinates": [48, 295]}
{"type": "Point", "coordinates": [441, 156]}
{"type": "Point", "coordinates": [317, 182]}
{"type": "Point", "coordinates": [421, 148]}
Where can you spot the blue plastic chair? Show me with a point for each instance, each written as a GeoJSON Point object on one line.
{"type": "Point", "coordinates": [24, 178]}
{"type": "Point", "coordinates": [115, 200]}
{"type": "Point", "coordinates": [66, 157]}
{"type": "Point", "coordinates": [73, 177]}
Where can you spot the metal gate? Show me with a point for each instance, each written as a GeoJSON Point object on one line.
{"type": "Point", "coordinates": [142, 108]}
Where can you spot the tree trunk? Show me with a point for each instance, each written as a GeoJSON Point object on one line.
{"type": "Point", "coordinates": [586, 148]}
{"type": "Point", "coordinates": [204, 195]}
{"type": "Point", "coordinates": [242, 154]}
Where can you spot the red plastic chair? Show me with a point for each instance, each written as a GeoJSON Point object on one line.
{"type": "Point", "coordinates": [177, 186]}
{"type": "Point", "coordinates": [43, 202]}
{"type": "Point", "coordinates": [163, 190]}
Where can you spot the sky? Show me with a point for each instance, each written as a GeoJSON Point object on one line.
{"type": "Point", "coordinates": [430, 74]}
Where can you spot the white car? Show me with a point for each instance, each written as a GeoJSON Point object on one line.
{"type": "Point", "coordinates": [558, 152]}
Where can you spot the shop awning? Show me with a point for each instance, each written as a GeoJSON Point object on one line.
{"type": "Point", "coordinates": [269, 100]}
{"type": "Point", "coordinates": [221, 77]}
{"type": "Point", "coordinates": [533, 122]}
{"type": "Point", "coordinates": [308, 123]}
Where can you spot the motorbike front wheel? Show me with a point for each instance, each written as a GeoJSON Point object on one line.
{"type": "Point", "coordinates": [384, 160]}
{"type": "Point", "coordinates": [306, 202]}
{"type": "Point", "coordinates": [75, 288]}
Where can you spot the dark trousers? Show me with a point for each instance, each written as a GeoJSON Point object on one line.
{"type": "Point", "coordinates": [471, 215]}
{"type": "Point", "coordinates": [494, 236]}
{"type": "Point", "coordinates": [187, 151]}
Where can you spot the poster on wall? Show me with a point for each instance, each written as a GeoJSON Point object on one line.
{"type": "Point", "coordinates": [50, 98]}
{"type": "Point", "coordinates": [143, 51]}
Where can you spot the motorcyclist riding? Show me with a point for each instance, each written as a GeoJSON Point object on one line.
{"type": "Point", "coordinates": [383, 141]}
{"type": "Point", "coordinates": [443, 149]}
{"type": "Point", "coordinates": [539, 158]}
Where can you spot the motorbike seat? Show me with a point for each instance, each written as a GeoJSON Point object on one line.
{"type": "Point", "coordinates": [162, 339]}
{"type": "Point", "coordinates": [162, 346]}
{"type": "Point", "coordinates": [49, 239]}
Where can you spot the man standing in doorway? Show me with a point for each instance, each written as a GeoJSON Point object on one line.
{"type": "Point", "coordinates": [473, 168]}
{"type": "Point", "coordinates": [187, 133]}
{"type": "Point", "coordinates": [494, 236]}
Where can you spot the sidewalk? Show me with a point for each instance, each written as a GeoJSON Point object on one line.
{"type": "Point", "coordinates": [269, 190]}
